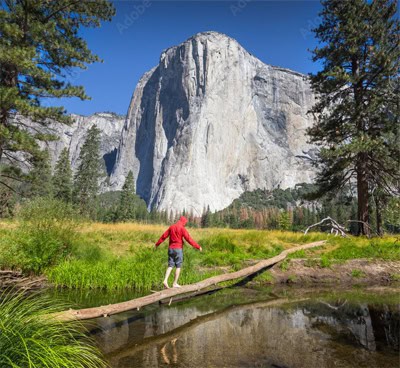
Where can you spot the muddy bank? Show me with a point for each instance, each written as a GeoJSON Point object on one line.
{"type": "Point", "coordinates": [356, 271]}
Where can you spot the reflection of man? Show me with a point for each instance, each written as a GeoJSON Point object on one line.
{"type": "Point", "coordinates": [176, 234]}
{"type": "Point", "coordinates": [164, 353]}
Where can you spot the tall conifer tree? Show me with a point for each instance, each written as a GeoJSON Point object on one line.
{"type": "Point", "coordinates": [357, 110]}
{"type": "Point", "coordinates": [62, 178]}
{"type": "Point", "coordinates": [40, 176]}
{"type": "Point", "coordinates": [40, 44]}
{"type": "Point", "coordinates": [127, 206]}
{"type": "Point", "coordinates": [89, 171]}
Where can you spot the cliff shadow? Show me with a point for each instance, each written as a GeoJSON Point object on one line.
{"type": "Point", "coordinates": [145, 137]}
{"type": "Point", "coordinates": [109, 160]}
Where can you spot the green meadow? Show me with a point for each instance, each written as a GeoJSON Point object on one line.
{"type": "Point", "coordinates": [120, 256]}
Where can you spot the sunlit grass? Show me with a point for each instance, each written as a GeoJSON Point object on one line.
{"type": "Point", "coordinates": [28, 339]}
{"type": "Point", "coordinates": [122, 256]}
{"type": "Point", "coordinates": [142, 270]}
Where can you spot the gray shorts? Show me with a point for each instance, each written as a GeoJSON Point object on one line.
{"type": "Point", "coordinates": [175, 257]}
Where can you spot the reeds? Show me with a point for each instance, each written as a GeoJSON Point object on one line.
{"type": "Point", "coordinates": [28, 339]}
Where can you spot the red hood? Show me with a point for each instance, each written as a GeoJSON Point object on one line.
{"type": "Point", "coordinates": [183, 220]}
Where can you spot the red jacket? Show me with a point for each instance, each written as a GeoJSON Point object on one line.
{"type": "Point", "coordinates": [176, 234]}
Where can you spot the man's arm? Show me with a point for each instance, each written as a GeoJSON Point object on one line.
{"type": "Point", "coordinates": [189, 239]}
{"type": "Point", "coordinates": [163, 237]}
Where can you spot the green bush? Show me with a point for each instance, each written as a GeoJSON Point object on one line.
{"type": "Point", "coordinates": [45, 234]}
{"type": "Point", "coordinates": [28, 339]}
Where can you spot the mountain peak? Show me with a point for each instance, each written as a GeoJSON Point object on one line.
{"type": "Point", "coordinates": [210, 122]}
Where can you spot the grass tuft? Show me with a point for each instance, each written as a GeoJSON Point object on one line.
{"type": "Point", "coordinates": [28, 339]}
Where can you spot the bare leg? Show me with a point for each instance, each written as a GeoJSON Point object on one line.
{"type": "Point", "coordinates": [167, 273]}
{"type": "Point", "coordinates": [177, 273]}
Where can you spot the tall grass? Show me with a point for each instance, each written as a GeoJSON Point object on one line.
{"type": "Point", "coordinates": [342, 249]}
{"type": "Point", "coordinates": [44, 235]}
{"type": "Point", "coordinates": [28, 339]}
{"type": "Point", "coordinates": [143, 270]}
{"type": "Point", "coordinates": [376, 248]}
{"type": "Point", "coordinates": [121, 256]}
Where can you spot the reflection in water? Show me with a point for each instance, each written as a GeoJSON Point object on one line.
{"type": "Point", "coordinates": [277, 333]}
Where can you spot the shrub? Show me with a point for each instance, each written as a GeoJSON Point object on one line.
{"type": "Point", "coordinates": [46, 233]}
{"type": "Point", "coordinates": [28, 339]}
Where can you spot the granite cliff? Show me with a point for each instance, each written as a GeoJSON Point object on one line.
{"type": "Point", "coordinates": [211, 121]}
{"type": "Point", "coordinates": [73, 136]}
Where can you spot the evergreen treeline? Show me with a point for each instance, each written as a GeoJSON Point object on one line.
{"type": "Point", "coordinates": [82, 189]}
{"type": "Point", "coordinates": [290, 209]}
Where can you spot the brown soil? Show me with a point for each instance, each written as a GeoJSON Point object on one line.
{"type": "Point", "coordinates": [356, 271]}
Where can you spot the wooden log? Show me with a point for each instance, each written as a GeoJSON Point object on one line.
{"type": "Point", "coordinates": [89, 313]}
{"type": "Point", "coordinates": [189, 296]}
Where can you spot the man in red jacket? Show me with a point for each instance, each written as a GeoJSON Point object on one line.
{"type": "Point", "coordinates": [176, 234]}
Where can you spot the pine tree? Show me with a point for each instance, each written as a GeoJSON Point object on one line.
{"type": "Point", "coordinates": [89, 172]}
{"type": "Point", "coordinates": [285, 221]}
{"type": "Point", "coordinates": [40, 176]}
{"type": "Point", "coordinates": [127, 206]}
{"type": "Point", "coordinates": [40, 41]}
{"type": "Point", "coordinates": [357, 110]}
{"type": "Point", "coordinates": [206, 217]}
{"type": "Point", "coordinates": [62, 178]}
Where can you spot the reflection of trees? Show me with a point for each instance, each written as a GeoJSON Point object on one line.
{"type": "Point", "coordinates": [386, 326]}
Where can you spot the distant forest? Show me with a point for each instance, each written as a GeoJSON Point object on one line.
{"type": "Point", "coordinates": [284, 209]}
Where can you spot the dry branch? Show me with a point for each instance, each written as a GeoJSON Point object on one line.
{"type": "Point", "coordinates": [336, 227]}
{"type": "Point", "coordinates": [104, 311]}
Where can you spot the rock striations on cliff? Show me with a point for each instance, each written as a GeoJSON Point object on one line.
{"type": "Point", "coordinates": [73, 136]}
{"type": "Point", "coordinates": [211, 121]}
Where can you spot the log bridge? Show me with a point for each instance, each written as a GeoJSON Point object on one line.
{"type": "Point", "coordinates": [104, 311]}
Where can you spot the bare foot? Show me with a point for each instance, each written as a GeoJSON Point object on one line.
{"type": "Point", "coordinates": [166, 285]}
{"type": "Point", "coordinates": [176, 286]}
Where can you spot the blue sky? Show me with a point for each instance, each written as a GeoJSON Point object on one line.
{"type": "Point", "coordinates": [277, 32]}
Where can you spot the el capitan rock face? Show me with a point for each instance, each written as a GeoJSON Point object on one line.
{"type": "Point", "coordinates": [212, 121]}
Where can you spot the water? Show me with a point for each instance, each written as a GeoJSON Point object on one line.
{"type": "Point", "coordinates": [258, 328]}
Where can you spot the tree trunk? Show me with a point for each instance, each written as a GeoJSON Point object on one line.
{"type": "Point", "coordinates": [361, 163]}
{"type": "Point", "coordinates": [378, 213]}
{"type": "Point", "coordinates": [362, 196]}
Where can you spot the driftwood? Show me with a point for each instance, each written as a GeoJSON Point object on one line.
{"type": "Point", "coordinates": [111, 309]}
{"type": "Point", "coordinates": [10, 279]}
{"type": "Point", "coordinates": [336, 227]}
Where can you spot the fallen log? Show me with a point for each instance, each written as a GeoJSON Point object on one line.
{"type": "Point", "coordinates": [104, 311]}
